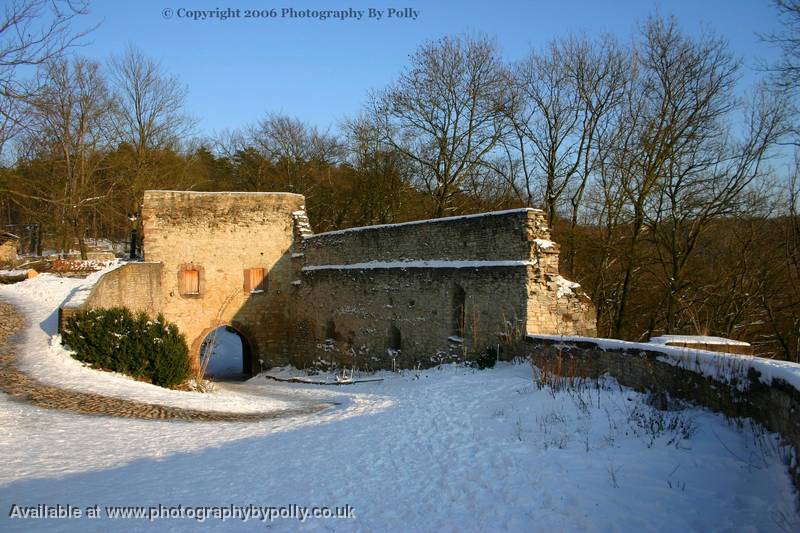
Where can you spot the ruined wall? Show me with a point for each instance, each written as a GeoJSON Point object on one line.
{"type": "Point", "coordinates": [361, 290]}
{"type": "Point", "coordinates": [221, 235]}
{"type": "Point", "coordinates": [136, 286]}
{"type": "Point", "coordinates": [555, 305]}
{"type": "Point", "coordinates": [412, 310]}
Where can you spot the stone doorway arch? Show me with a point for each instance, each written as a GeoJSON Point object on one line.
{"type": "Point", "coordinates": [231, 353]}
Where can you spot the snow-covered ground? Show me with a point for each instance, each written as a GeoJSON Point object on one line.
{"type": "Point", "coordinates": [226, 359]}
{"type": "Point", "coordinates": [449, 449]}
{"type": "Point", "coordinates": [452, 449]}
{"type": "Point", "coordinates": [42, 356]}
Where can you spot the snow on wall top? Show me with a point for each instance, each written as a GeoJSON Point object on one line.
{"type": "Point", "coordinates": [565, 287]}
{"type": "Point", "coordinates": [417, 264]}
{"type": "Point", "coordinates": [716, 365]}
{"type": "Point", "coordinates": [81, 293]}
{"type": "Point", "coordinates": [696, 339]}
{"type": "Point", "coordinates": [427, 221]}
{"type": "Point", "coordinates": [13, 272]}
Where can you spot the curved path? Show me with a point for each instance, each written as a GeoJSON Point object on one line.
{"type": "Point", "coordinates": [20, 386]}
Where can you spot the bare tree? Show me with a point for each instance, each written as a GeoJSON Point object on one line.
{"type": "Point", "coordinates": [69, 128]}
{"type": "Point", "coordinates": [251, 170]}
{"type": "Point", "coordinates": [566, 100]}
{"type": "Point", "coordinates": [787, 69]}
{"type": "Point", "coordinates": [682, 91]}
{"type": "Point", "coordinates": [295, 148]}
{"type": "Point", "coordinates": [446, 113]}
{"type": "Point", "coordinates": [546, 122]}
{"type": "Point", "coordinates": [149, 117]}
{"type": "Point", "coordinates": [706, 181]}
{"type": "Point", "coordinates": [781, 297]}
{"type": "Point", "coordinates": [32, 32]}
{"type": "Point", "coordinates": [150, 103]}
{"type": "Point", "coordinates": [379, 171]}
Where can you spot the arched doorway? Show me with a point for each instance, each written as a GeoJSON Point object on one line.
{"type": "Point", "coordinates": [225, 355]}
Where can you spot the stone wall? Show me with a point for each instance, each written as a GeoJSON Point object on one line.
{"type": "Point", "coordinates": [136, 286]}
{"type": "Point", "coordinates": [222, 235]}
{"type": "Point", "coordinates": [502, 235]}
{"type": "Point", "coordinates": [413, 311]}
{"type": "Point", "coordinates": [367, 291]}
{"type": "Point", "coordinates": [555, 305]}
{"type": "Point", "coordinates": [775, 405]}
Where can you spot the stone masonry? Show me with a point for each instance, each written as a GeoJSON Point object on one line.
{"type": "Point", "coordinates": [411, 284]}
{"type": "Point", "coordinates": [399, 295]}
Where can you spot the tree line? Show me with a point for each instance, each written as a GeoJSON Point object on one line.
{"type": "Point", "coordinates": [669, 185]}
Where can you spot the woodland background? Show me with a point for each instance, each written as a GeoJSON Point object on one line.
{"type": "Point", "coordinates": [672, 190]}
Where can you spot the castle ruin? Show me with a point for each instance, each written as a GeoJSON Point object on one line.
{"type": "Point", "coordinates": [390, 296]}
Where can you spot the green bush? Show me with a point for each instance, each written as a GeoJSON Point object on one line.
{"type": "Point", "coordinates": [116, 339]}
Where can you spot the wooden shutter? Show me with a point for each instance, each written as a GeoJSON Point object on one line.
{"type": "Point", "coordinates": [254, 280]}
{"type": "Point", "coordinates": [190, 282]}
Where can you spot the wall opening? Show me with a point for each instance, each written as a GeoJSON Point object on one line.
{"type": "Point", "coordinates": [226, 355]}
{"type": "Point", "coordinates": [395, 340]}
{"type": "Point", "coordinates": [459, 308]}
{"type": "Point", "coordinates": [330, 330]}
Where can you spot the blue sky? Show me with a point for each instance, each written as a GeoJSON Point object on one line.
{"type": "Point", "coordinates": [320, 71]}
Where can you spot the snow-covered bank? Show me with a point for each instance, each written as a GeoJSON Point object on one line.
{"type": "Point", "coordinates": [449, 449]}
{"type": "Point", "coordinates": [41, 355]}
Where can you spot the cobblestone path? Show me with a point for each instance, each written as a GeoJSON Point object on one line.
{"type": "Point", "coordinates": [22, 387]}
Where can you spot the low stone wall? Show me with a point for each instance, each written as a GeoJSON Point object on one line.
{"type": "Point", "coordinates": [136, 286]}
{"type": "Point", "coordinates": [775, 405]}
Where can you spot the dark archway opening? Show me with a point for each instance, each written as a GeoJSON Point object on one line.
{"type": "Point", "coordinates": [225, 355]}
